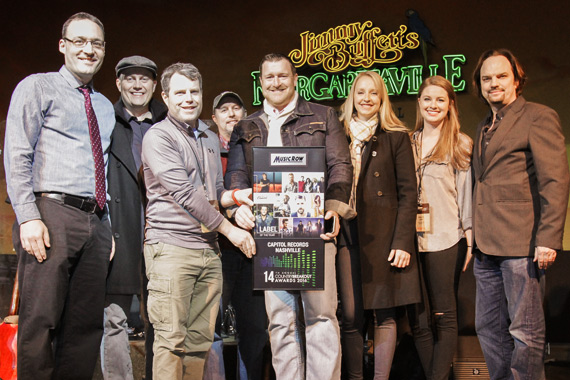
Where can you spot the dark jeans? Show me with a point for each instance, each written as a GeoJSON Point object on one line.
{"type": "Point", "coordinates": [509, 317]}
{"type": "Point", "coordinates": [251, 318]}
{"type": "Point", "coordinates": [436, 341]}
{"type": "Point", "coordinates": [349, 285]}
{"type": "Point", "coordinates": [62, 298]}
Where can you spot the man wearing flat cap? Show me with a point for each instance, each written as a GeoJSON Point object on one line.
{"type": "Point", "coordinates": [135, 112]}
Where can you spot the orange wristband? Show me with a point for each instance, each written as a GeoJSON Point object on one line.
{"type": "Point", "coordinates": [234, 197]}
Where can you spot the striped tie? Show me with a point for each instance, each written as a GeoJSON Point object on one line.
{"type": "Point", "coordinates": [100, 191]}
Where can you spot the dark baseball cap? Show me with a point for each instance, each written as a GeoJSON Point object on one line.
{"type": "Point", "coordinates": [134, 62]}
{"type": "Point", "coordinates": [226, 94]}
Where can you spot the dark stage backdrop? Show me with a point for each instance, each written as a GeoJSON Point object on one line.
{"type": "Point", "coordinates": [227, 39]}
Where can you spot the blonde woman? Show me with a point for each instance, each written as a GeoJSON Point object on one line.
{"type": "Point", "coordinates": [376, 262]}
{"type": "Point", "coordinates": [442, 156]}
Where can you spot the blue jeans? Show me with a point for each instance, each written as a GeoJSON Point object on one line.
{"type": "Point", "coordinates": [214, 368]}
{"type": "Point", "coordinates": [509, 317]}
{"type": "Point", "coordinates": [310, 351]}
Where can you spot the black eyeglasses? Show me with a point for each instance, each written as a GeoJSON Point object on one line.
{"type": "Point", "coordinates": [81, 43]}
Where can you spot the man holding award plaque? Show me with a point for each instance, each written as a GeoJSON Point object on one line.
{"type": "Point", "coordinates": [287, 120]}
{"type": "Point", "coordinates": [183, 176]}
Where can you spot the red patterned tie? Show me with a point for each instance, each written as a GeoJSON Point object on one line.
{"type": "Point", "coordinates": [100, 191]}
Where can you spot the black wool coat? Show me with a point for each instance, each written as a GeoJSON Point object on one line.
{"type": "Point", "coordinates": [386, 204]}
{"type": "Point", "coordinates": [125, 206]}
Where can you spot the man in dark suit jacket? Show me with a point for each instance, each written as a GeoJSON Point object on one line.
{"type": "Point", "coordinates": [519, 208]}
{"type": "Point", "coordinates": [135, 113]}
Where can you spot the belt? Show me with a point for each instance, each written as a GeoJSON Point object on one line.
{"type": "Point", "coordinates": [87, 204]}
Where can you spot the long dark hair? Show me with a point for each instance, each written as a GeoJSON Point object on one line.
{"type": "Point", "coordinates": [518, 71]}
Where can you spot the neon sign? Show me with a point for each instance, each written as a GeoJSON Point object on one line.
{"type": "Point", "coordinates": [353, 45]}
{"type": "Point", "coordinates": [399, 80]}
{"type": "Point", "coordinates": [346, 48]}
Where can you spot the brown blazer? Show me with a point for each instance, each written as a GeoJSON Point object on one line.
{"type": "Point", "coordinates": [521, 185]}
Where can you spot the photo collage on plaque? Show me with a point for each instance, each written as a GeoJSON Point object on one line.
{"type": "Point", "coordinates": [288, 204]}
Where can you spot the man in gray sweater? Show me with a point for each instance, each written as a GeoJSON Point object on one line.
{"type": "Point", "coordinates": [183, 176]}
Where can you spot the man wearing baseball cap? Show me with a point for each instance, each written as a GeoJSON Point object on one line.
{"type": "Point", "coordinates": [227, 110]}
{"type": "Point", "coordinates": [251, 321]}
{"type": "Point", "coordinates": [135, 112]}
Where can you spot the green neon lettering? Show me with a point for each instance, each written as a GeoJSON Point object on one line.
{"type": "Point", "coordinates": [303, 87]}
{"type": "Point", "coordinates": [338, 84]}
{"type": "Point", "coordinates": [323, 86]}
{"type": "Point", "coordinates": [433, 69]}
{"type": "Point", "coordinates": [453, 70]}
{"type": "Point", "coordinates": [323, 93]}
{"type": "Point", "coordinates": [350, 76]}
{"type": "Point", "coordinates": [395, 81]}
{"type": "Point", "coordinates": [415, 78]}
{"type": "Point", "coordinates": [256, 88]}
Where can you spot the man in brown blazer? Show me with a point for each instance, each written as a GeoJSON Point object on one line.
{"type": "Point", "coordinates": [519, 208]}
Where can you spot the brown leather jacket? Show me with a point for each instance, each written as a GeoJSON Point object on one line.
{"type": "Point", "coordinates": [310, 124]}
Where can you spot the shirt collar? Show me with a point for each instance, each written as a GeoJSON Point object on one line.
{"type": "Point", "coordinates": [225, 143]}
{"type": "Point", "coordinates": [145, 116]}
{"type": "Point", "coordinates": [273, 112]}
{"type": "Point", "coordinates": [72, 80]}
{"type": "Point", "coordinates": [502, 112]}
{"type": "Point", "coordinates": [202, 127]}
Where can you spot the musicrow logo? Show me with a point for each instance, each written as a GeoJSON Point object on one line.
{"type": "Point", "coordinates": [288, 159]}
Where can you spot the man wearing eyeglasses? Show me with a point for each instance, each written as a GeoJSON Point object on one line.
{"type": "Point", "coordinates": [135, 112]}
{"type": "Point", "coordinates": [57, 138]}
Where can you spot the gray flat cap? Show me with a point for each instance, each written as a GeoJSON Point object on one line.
{"type": "Point", "coordinates": [136, 61]}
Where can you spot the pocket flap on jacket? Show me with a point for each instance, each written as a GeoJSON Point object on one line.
{"type": "Point", "coordinates": [312, 127]}
{"type": "Point", "coordinates": [249, 134]}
